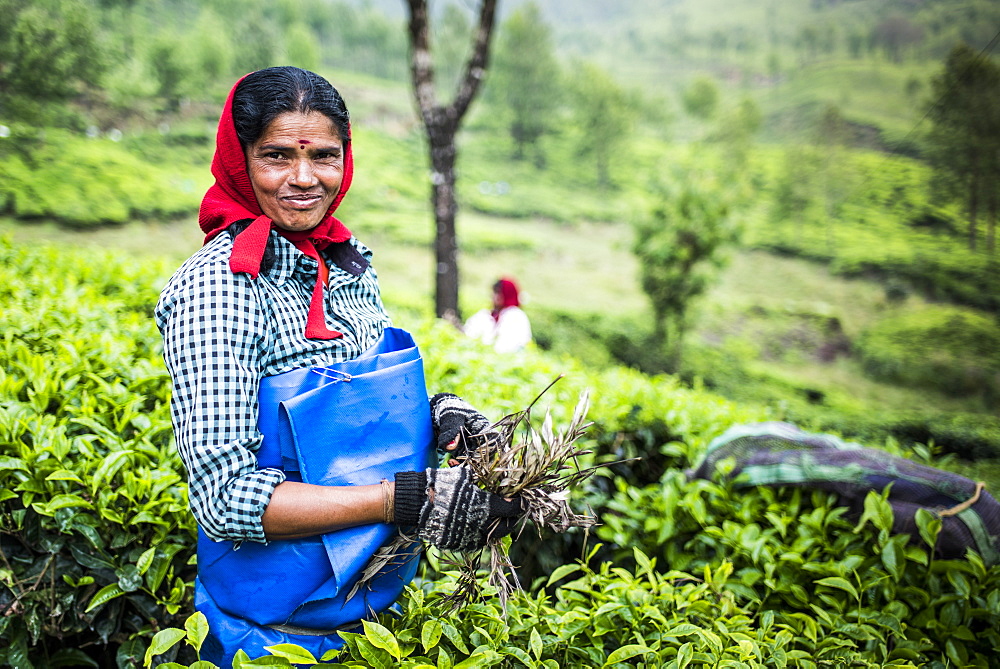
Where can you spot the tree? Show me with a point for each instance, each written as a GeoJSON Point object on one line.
{"type": "Point", "coordinates": [856, 42]}
{"type": "Point", "coordinates": [256, 41]}
{"type": "Point", "coordinates": [701, 98]}
{"type": "Point", "coordinates": [173, 66]}
{"type": "Point", "coordinates": [212, 49]}
{"type": "Point", "coordinates": [808, 40]}
{"type": "Point", "coordinates": [451, 40]}
{"type": "Point", "coordinates": [48, 51]}
{"type": "Point", "coordinates": [965, 135]}
{"type": "Point", "coordinates": [795, 200]}
{"type": "Point", "coordinates": [736, 130]}
{"type": "Point", "coordinates": [895, 34]}
{"type": "Point", "coordinates": [604, 116]}
{"type": "Point", "coordinates": [441, 123]}
{"type": "Point", "coordinates": [302, 47]}
{"type": "Point", "coordinates": [836, 178]}
{"type": "Point", "coordinates": [527, 75]}
{"type": "Point", "coordinates": [679, 247]}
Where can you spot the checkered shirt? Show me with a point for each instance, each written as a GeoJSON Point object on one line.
{"type": "Point", "coordinates": [223, 333]}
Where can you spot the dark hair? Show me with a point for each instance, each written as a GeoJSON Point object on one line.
{"type": "Point", "coordinates": [265, 94]}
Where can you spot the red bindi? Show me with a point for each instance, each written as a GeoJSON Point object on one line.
{"type": "Point", "coordinates": [303, 142]}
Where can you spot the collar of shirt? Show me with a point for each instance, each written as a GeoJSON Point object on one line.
{"type": "Point", "coordinates": [291, 263]}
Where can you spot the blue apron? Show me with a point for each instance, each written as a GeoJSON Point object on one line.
{"type": "Point", "coordinates": [352, 423]}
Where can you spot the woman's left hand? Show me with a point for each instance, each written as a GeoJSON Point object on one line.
{"type": "Point", "coordinates": [459, 429]}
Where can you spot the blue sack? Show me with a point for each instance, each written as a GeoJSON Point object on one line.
{"type": "Point", "coordinates": [352, 423]}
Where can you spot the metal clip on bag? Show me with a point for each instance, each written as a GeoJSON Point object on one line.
{"type": "Point", "coordinates": [353, 423]}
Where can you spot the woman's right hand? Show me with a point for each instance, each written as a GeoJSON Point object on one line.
{"type": "Point", "coordinates": [450, 511]}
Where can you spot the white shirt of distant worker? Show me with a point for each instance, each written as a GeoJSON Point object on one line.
{"type": "Point", "coordinates": [506, 326]}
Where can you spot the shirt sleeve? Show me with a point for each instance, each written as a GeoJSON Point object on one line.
{"type": "Point", "coordinates": [213, 332]}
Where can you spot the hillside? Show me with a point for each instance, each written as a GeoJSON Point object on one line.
{"type": "Point", "coordinates": [795, 57]}
{"type": "Point", "coordinates": [803, 143]}
{"type": "Point", "coordinates": [845, 297]}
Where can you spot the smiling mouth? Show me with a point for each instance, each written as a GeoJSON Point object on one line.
{"type": "Point", "coordinates": [301, 200]}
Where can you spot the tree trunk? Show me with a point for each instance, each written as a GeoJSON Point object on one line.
{"type": "Point", "coordinates": [973, 213]}
{"type": "Point", "coordinates": [443, 154]}
{"type": "Point", "coordinates": [441, 123]}
{"type": "Point", "coordinates": [659, 329]}
{"type": "Point", "coordinates": [603, 171]}
{"type": "Point", "coordinates": [973, 202]}
{"type": "Point", "coordinates": [991, 218]}
{"type": "Point", "coordinates": [676, 350]}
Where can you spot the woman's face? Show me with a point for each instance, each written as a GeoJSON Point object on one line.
{"type": "Point", "coordinates": [296, 168]}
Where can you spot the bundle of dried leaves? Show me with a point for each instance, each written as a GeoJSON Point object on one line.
{"type": "Point", "coordinates": [539, 464]}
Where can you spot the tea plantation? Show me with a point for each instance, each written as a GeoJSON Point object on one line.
{"type": "Point", "coordinates": [97, 545]}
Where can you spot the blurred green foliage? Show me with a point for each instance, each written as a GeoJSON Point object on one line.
{"type": "Point", "coordinates": [527, 80]}
{"type": "Point", "coordinates": [58, 175]}
{"type": "Point", "coordinates": [48, 50]}
{"type": "Point", "coordinates": [681, 245]}
{"type": "Point", "coordinates": [886, 227]}
{"type": "Point", "coordinates": [951, 350]}
{"type": "Point", "coordinates": [755, 365]}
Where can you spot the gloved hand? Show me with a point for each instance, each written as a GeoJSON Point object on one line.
{"type": "Point", "coordinates": [458, 428]}
{"type": "Point", "coordinates": [450, 511]}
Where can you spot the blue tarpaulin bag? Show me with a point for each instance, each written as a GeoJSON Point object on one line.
{"type": "Point", "coordinates": [780, 454]}
{"type": "Point", "coordinates": [352, 423]}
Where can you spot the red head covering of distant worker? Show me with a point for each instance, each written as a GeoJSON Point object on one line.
{"type": "Point", "coordinates": [505, 291]}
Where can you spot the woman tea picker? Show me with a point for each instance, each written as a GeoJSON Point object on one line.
{"type": "Point", "coordinates": [299, 412]}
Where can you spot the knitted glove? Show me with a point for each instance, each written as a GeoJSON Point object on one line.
{"type": "Point", "coordinates": [459, 515]}
{"type": "Point", "coordinates": [454, 418]}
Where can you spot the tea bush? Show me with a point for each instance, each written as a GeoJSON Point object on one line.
{"type": "Point", "coordinates": [606, 616]}
{"type": "Point", "coordinates": [879, 226]}
{"type": "Point", "coordinates": [973, 437]}
{"type": "Point", "coordinates": [955, 351]}
{"type": "Point", "coordinates": [97, 542]}
{"type": "Point", "coordinates": [58, 175]}
{"type": "Point", "coordinates": [938, 360]}
{"type": "Point", "coordinates": [797, 555]}
{"type": "Point", "coordinates": [766, 585]}
{"type": "Point", "coordinates": [95, 534]}
{"type": "Point", "coordinates": [93, 521]}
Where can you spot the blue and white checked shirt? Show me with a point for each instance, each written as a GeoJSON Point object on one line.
{"type": "Point", "coordinates": [224, 332]}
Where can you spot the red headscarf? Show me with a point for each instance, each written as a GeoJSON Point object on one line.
{"type": "Point", "coordinates": [232, 199]}
{"type": "Point", "coordinates": [507, 290]}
